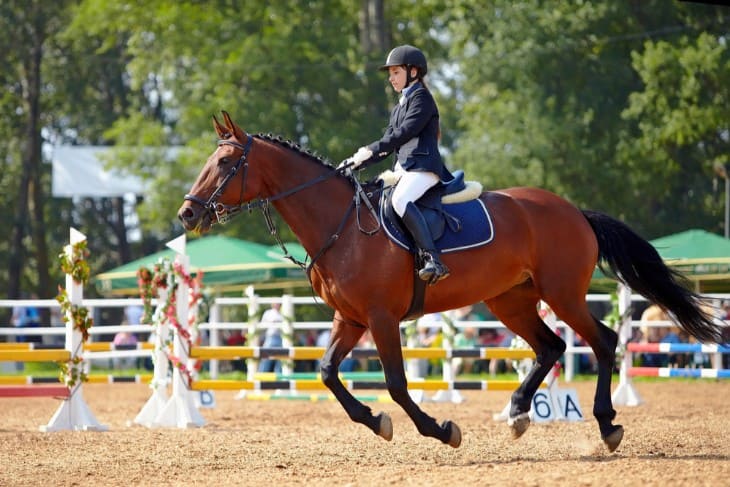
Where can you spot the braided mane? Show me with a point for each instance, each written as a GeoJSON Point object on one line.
{"type": "Point", "coordinates": [288, 144]}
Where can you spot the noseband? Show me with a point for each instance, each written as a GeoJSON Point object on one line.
{"type": "Point", "coordinates": [223, 213]}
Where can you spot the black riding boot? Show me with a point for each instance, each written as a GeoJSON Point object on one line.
{"type": "Point", "coordinates": [433, 269]}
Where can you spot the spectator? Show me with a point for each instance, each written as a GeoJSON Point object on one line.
{"type": "Point", "coordinates": [429, 329]}
{"type": "Point", "coordinates": [672, 334]}
{"type": "Point", "coordinates": [421, 339]}
{"type": "Point", "coordinates": [120, 339]}
{"type": "Point", "coordinates": [236, 338]}
{"type": "Point", "coordinates": [307, 338]}
{"type": "Point", "coordinates": [272, 320]}
{"type": "Point", "coordinates": [133, 314]}
{"type": "Point", "coordinates": [26, 317]}
{"type": "Point", "coordinates": [505, 339]}
{"type": "Point", "coordinates": [466, 338]}
{"type": "Point", "coordinates": [56, 322]}
{"type": "Point", "coordinates": [651, 334]}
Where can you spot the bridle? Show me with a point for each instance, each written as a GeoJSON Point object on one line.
{"type": "Point", "coordinates": [223, 213]}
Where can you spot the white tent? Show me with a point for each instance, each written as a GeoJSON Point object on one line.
{"type": "Point", "coordinates": [80, 171]}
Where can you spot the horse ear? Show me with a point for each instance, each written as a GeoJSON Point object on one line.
{"type": "Point", "coordinates": [232, 127]}
{"type": "Point", "coordinates": [219, 129]}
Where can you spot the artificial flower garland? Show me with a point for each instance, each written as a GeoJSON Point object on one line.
{"type": "Point", "coordinates": [75, 265]}
{"type": "Point", "coordinates": [167, 275]}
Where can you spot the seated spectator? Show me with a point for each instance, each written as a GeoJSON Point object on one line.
{"type": "Point", "coordinates": [125, 338]}
{"type": "Point", "coordinates": [466, 338]}
{"type": "Point", "coordinates": [236, 338]}
{"type": "Point", "coordinates": [672, 334]}
{"type": "Point", "coordinates": [424, 337]}
{"type": "Point", "coordinates": [652, 334]}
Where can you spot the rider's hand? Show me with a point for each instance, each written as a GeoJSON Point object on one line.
{"type": "Point", "coordinates": [346, 163]}
{"type": "Point", "coordinates": [362, 155]}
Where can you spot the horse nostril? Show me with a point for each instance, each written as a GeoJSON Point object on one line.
{"type": "Point", "coordinates": [187, 214]}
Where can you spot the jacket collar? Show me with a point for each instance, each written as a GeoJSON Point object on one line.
{"type": "Point", "coordinates": [407, 90]}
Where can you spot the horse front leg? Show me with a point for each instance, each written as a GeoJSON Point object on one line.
{"type": "Point", "coordinates": [386, 336]}
{"type": "Point", "coordinates": [343, 339]}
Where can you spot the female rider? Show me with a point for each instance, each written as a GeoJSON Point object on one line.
{"type": "Point", "coordinates": [412, 133]}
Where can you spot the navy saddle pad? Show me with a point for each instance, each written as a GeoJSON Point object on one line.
{"type": "Point", "coordinates": [476, 228]}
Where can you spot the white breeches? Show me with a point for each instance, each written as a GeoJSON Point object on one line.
{"type": "Point", "coordinates": [411, 186]}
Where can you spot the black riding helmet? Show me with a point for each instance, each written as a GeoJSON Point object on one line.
{"type": "Point", "coordinates": [408, 56]}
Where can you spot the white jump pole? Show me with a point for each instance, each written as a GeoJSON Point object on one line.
{"type": "Point", "coordinates": [74, 414]}
{"type": "Point", "coordinates": [447, 369]}
{"type": "Point", "coordinates": [180, 410]}
{"type": "Point", "coordinates": [287, 331]}
{"type": "Point", "coordinates": [625, 394]}
{"type": "Point", "coordinates": [154, 405]}
{"type": "Point", "coordinates": [252, 364]}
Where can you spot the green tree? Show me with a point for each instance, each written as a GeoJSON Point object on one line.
{"type": "Point", "coordinates": [542, 93]}
{"type": "Point", "coordinates": [56, 90]}
{"type": "Point", "coordinates": [680, 120]}
{"type": "Point", "coordinates": [309, 77]}
{"type": "Point", "coordinates": [26, 26]}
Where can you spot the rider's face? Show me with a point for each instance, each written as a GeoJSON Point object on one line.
{"type": "Point", "coordinates": [397, 77]}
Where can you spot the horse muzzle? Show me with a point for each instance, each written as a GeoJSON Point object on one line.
{"type": "Point", "coordinates": [194, 219]}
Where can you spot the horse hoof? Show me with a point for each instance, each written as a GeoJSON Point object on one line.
{"type": "Point", "coordinates": [519, 424]}
{"type": "Point", "coordinates": [455, 436]}
{"type": "Point", "coordinates": [613, 440]}
{"type": "Point", "coordinates": [385, 428]}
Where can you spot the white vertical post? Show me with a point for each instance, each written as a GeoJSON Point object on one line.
{"type": "Point", "coordinates": [215, 333]}
{"type": "Point", "coordinates": [625, 394]}
{"type": "Point", "coordinates": [252, 364]}
{"type": "Point", "coordinates": [287, 331]}
{"type": "Point", "coordinates": [452, 395]}
{"type": "Point", "coordinates": [180, 410]}
{"type": "Point", "coordinates": [74, 414]}
{"type": "Point", "coordinates": [154, 405]}
{"type": "Point", "coordinates": [412, 367]}
{"type": "Point", "coordinates": [569, 354]}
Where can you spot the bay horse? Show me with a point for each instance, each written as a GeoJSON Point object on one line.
{"type": "Point", "coordinates": [544, 249]}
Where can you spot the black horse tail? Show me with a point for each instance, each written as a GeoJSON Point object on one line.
{"type": "Point", "coordinates": [636, 263]}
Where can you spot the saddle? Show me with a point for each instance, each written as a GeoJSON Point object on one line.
{"type": "Point", "coordinates": [456, 218]}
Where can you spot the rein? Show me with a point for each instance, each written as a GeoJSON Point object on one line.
{"type": "Point", "coordinates": [224, 213]}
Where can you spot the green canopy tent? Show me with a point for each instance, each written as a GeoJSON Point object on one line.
{"type": "Point", "coordinates": [295, 249]}
{"type": "Point", "coordinates": [702, 257]}
{"type": "Point", "coordinates": [227, 264]}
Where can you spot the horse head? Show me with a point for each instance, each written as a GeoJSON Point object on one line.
{"type": "Point", "coordinates": [224, 183]}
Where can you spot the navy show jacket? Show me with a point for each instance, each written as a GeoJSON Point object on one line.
{"type": "Point", "coordinates": [412, 134]}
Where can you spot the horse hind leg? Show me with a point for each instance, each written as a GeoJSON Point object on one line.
{"type": "Point", "coordinates": [517, 309]}
{"type": "Point", "coordinates": [603, 341]}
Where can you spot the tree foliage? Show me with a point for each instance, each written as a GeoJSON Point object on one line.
{"type": "Point", "coordinates": [619, 106]}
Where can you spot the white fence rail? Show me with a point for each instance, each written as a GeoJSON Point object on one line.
{"type": "Point", "coordinates": [215, 327]}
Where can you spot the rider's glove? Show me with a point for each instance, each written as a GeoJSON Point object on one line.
{"type": "Point", "coordinates": [362, 155]}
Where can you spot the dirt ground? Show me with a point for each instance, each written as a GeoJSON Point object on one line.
{"type": "Point", "coordinates": [680, 436]}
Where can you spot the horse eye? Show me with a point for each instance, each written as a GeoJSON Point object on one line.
{"type": "Point", "coordinates": [224, 161]}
